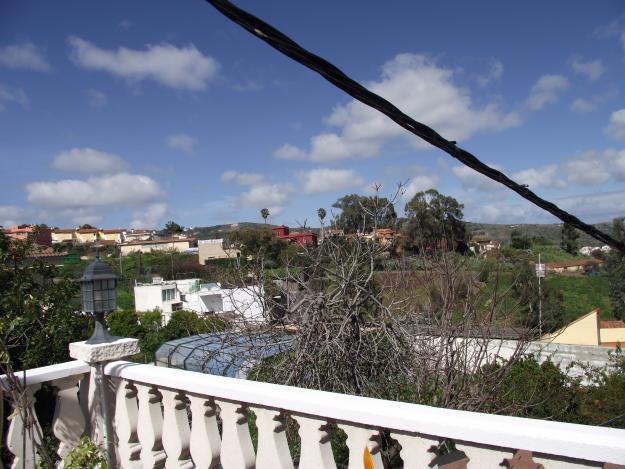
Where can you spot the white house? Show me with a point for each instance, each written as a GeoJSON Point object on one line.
{"type": "Point", "coordinates": [202, 298]}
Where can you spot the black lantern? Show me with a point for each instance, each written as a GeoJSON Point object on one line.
{"type": "Point", "coordinates": [98, 296]}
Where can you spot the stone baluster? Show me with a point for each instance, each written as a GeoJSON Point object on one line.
{"type": "Point", "coordinates": [23, 437]}
{"type": "Point", "coordinates": [316, 451]}
{"type": "Point", "coordinates": [69, 423]}
{"type": "Point", "coordinates": [205, 441]}
{"type": "Point", "coordinates": [237, 451]}
{"type": "Point", "coordinates": [357, 439]}
{"type": "Point", "coordinates": [481, 456]}
{"type": "Point", "coordinates": [415, 449]}
{"type": "Point", "coordinates": [176, 430]}
{"type": "Point", "coordinates": [559, 462]}
{"type": "Point", "coordinates": [126, 420]}
{"type": "Point", "coordinates": [150, 427]}
{"type": "Point", "coordinates": [273, 448]}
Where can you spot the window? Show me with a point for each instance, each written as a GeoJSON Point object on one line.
{"type": "Point", "coordinates": [168, 294]}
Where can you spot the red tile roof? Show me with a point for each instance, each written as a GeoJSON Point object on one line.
{"type": "Point", "coordinates": [611, 324]}
{"type": "Point", "coordinates": [63, 230]}
{"type": "Point", "coordinates": [574, 263]}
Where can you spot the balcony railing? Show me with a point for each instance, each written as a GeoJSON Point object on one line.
{"type": "Point", "coordinates": [163, 417]}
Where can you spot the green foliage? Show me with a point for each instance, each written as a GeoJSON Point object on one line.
{"type": "Point", "coordinates": [264, 212]}
{"type": "Point", "coordinates": [581, 294]}
{"type": "Point", "coordinates": [615, 270]}
{"type": "Point", "coordinates": [171, 228]}
{"type": "Point", "coordinates": [40, 309]}
{"type": "Point", "coordinates": [321, 213]}
{"type": "Point", "coordinates": [259, 242]}
{"type": "Point", "coordinates": [519, 240]}
{"type": "Point", "coordinates": [360, 213]}
{"type": "Point", "coordinates": [434, 221]}
{"type": "Point", "coordinates": [569, 239]}
{"type": "Point", "coordinates": [525, 287]}
{"type": "Point", "coordinates": [124, 324]}
{"type": "Point", "coordinates": [87, 455]}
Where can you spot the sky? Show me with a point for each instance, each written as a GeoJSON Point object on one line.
{"type": "Point", "coordinates": [130, 114]}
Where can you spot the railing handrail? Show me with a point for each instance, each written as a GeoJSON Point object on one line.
{"type": "Point", "coordinates": [556, 438]}
{"type": "Point", "coordinates": [48, 373]}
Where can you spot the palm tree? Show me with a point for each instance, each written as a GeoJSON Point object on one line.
{"type": "Point", "coordinates": [264, 212]}
{"type": "Point", "coordinates": [321, 213]}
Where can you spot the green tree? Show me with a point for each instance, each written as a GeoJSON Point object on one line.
{"type": "Point", "coordinates": [434, 220]}
{"type": "Point", "coordinates": [615, 270]}
{"type": "Point", "coordinates": [40, 309]}
{"type": "Point", "coordinates": [258, 242]}
{"type": "Point", "coordinates": [87, 226]}
{"type": "Point", "coordinates": [321, 213]}
{"type": "Point", "coordinates": [519, 241]}
{"type": "Point", "coordinates": [172, 228]}
{"type": "Point", "coordinates": [525, 288]}
{"type": "Point", "coordinates": [125, 324]}
{"type": "Point", "coordinates": [363, 214]}
{"type": "Point", "coordinates": [569, 235]}
{"type": "Point", "coordinates": [264, 212]}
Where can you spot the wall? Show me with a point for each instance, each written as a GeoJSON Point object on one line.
{"type": "Point", "coordinates": [246, 302]}
{"type": "Point", "coordinates": [177, 246]}
{"type": "Point", "coordinates": [582, 331]}
{"type": "Point", "coordinates": [612, 335]}
{"type": "Point", "coordinates": [213, 249]}
{"type": "Point", "coordinates": [148, 298]}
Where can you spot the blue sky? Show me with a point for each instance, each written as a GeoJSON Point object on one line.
{"type": "Point", "coordinates": [133, 113]}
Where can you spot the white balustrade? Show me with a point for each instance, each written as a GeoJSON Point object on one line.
{"type": "Point", "coordinates": [68, 423]}
{"type": "Point", "coordinates": [170, 418]}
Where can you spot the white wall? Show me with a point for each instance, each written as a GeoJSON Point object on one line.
{"type": "Point", "coordinates": [246, 302]}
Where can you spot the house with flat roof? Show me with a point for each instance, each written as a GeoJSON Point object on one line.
{"type": "Point", "coordinates": [172, 244]}
{"type": "Point", "coordinates": [214, 249]}
{"type": "Point", "coordinates": [590, 329]}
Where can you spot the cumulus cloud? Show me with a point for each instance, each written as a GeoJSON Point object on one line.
{"type": "Point", "coordinates": [242, 179]}
{"type": "Point", "coordinates": [12, 95]}
{"type": "Point", "coordinates": [289, 152]}
{"type": "Point", "coordinates": [328, 180]}
{"type": "Point", "coordinates": [26, 56]}
{"type": "Point", "coordinates": [177, 67]}
{"type": "Point", "coordinates": [422, 89]}
{"type": "Point", "coordinates": [585, 105]}
{"type": "Point", "coordinates": [494, 73]}
{"type": "Point", "coordinates": [182, 142]}
{"type": "Point", "coordinates": [149, 217]}
{"type": "Point", "coordinates": [419, 184]}
{"type": "Point", "coordinates": [546, 90]}
{"type": "Point", "coordinates": [596, 167]}
{"type": "Point", "coordinates": [538, 178]}
{"type": "Point", "coordinates": [472, 180]}
{"type": "Point", "coordinates": [616, 126]}
{"type": "Point", "coordinates": [117, 190]}
{"type": "Point", "coordinates": [88, 161]}
{"type": "Point", "coordinates": [593, 69]}
{"type": "Point", "coordinates": [96, 98]}
{"type": "Point", "coordinates": [272, 196]}
{"type": "Point", "coordinates": [11, 215]}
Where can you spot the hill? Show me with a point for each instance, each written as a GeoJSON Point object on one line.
{"type": "Point", "coordinates": [550, 231]}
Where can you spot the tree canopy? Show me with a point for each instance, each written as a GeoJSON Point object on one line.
{"type": "Point", "coordinates": [434, 221]}
{"type": "Point", "coordinates": [361, 213]}
{"type": "Point", "coordinates": [171, 227]}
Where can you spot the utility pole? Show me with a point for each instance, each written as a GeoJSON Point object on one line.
{"type": "Point", "coordinates": [540, 273]}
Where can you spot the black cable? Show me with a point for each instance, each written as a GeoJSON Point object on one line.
{"type": "Point", "coordinates": [290, 48]}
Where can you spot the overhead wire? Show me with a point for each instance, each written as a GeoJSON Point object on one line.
{"type": "Point", "coordinates": [334, 75]}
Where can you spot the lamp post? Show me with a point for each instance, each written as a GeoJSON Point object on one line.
{"type": "Point", "coordinates": [98, 296]}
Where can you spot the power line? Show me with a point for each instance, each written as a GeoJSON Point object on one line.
{"type": "Point", "coordinates": [330, 72]}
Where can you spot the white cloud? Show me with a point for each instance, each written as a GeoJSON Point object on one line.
{"type": "Point", "coordinates": [472, 180]}
{"type": "Point", "coordinates": [242, 179]}
{"type": "Point", "coordinates": [178, 67]}
{"type": "Point", "coordinates": [119, 189]}
{"type": "Point", "coordinates": [149, 217]}
{"type": "Point", "coordinates": [537, 178]}
{"type": "Point", "coordinates": [494, 73]}
{"type": "Point", "coordinates": [328, 180]}
{"type": "Point", "coordinates": [96, 98]}
{"type": "Point", "coordinates": [11, 215]}
{"type": "Point", "coordinates": [246, 86]}
{"type": "Point", "coordinates": [596, 167]}
{"type": "Point", "coordinates": [182, 142]}
{"type": "Point", "coordinates": [546, 90]}
{"type": "Point", "coordinates": [24, 55]}
{"type": "Point", "coordinates": [271, 196]}
{"type": "Point", "coordinates": [289, 152]}
{"type": "Point", "coordinates": [595, 207]}
{"type": "Point", "coordinates": [419, 184]}
{"type": "Point", "coordinates": [616, 127]}
{"type": "Point", "coordinates": [585, 105]}
{"type": "Point", "coordinates": [593, 69]}
{"type": "Point", "coordinates": [12, 95]}
{"type": "Point", "coordinates": [88, 161]}
{"type": "Point", "coordinates": [421, 89]}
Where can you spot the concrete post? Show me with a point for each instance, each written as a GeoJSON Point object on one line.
{"type": "Point", "coordinates": [100, 412]}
